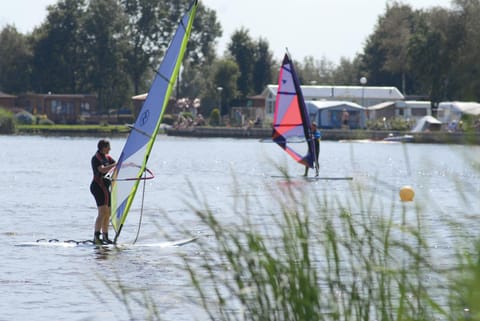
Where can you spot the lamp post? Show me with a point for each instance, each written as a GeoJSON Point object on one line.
{"type": "Point", "coordinates": [219, 89]}
{"type": "Point", "coordinates": [363, 82]}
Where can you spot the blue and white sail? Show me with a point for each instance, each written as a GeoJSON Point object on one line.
{"type": "Point", "coordinates": [132, 163]}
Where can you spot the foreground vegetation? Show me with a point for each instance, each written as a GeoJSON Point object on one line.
{"type": "Point", "coordinates": [327, 258]}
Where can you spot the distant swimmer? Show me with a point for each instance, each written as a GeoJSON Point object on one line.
{"type": "Point", "coordinates": [102, 163]}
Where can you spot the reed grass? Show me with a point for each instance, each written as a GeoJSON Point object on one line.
{"type": "Point", "coordinates": [318, 260]}
{"type": "Point", "coordinates": [328, 257]}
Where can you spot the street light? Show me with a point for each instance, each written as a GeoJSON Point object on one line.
{"type": "Point", "coordinates": [219, 89]}
{"type": "Point", "coordinates": [363, 82]}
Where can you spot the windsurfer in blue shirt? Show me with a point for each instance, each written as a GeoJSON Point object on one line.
{"type": "Point", "coordinates": [102, 163]}
{"type": "Point", "coordinates": [316, 135]}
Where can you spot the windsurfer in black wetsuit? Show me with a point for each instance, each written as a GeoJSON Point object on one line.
{"type": "Point", "coordinates": [102, 163]}
{"type": "Point", "coordinates": [316, 136]}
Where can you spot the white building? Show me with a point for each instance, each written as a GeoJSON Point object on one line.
{"type": "Point", "coordinates": [328, 113]}
{"type": "Point", "coordinates": [361, 95]}
{"type": "Point", "coordinates": [449, 111]}
{"type": "Point", "coordinates": [410, 110]}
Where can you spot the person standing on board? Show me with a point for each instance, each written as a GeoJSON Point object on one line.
{"type": "Point", "coordinates": [316, 136]}
{"type": "Point", "coordinates": [102, 163]}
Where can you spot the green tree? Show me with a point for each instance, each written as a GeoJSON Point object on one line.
{"type": "Point", "coordinates": [467, 62]}
{"type": "Point", "coordinates": [347, 72]}
{"type": "Point", "coordinates": [226, 76]}
{"type": "Point", "coordinates": [430, 58]}
{"type": "Point", "coordinates": [200, 56]}
{"type": "Point", "coordinates": [106, 44]}
{"type": "Point", "coordinates": [242, 49]}
{"type": "Point", "coordinates": [150, 28]}
{"type": "Point", "coordinates": [262, 66]}
{"type": "Point", "coordinates": [144, 33]}
{"type": "Point", "coordinates": [396, 27]}
{"type": "Point", "coordinates": [15, 57]}
{"type": "Point", "coordinates": [385, 57]}
{"type": "Point", "coordinates": [206, 30]}
{"type": "Point", "coordinates": [59, 54]}
{"type": "Point", "coordinates": [315, 72]}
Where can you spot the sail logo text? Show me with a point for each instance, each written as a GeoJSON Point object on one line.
{"type": "Point", "coordinates": [144, 118]}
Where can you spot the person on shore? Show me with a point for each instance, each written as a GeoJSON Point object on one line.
{"type": "Point", "coordinates": [345, 119]}
{"type": "Point", "coordinates": [102, 163]}
{"type": "Point", "coordinates": [316, 136]}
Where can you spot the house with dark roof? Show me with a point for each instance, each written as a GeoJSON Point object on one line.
{"type": "Point", "coordinates": [60, 108]}
{"type": "Point", "coordinates": [7, 101]}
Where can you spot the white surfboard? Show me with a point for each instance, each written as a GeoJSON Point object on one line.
{"type": "Point", "coordinates": [72, 243]}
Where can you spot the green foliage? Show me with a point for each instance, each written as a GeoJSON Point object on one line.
{"type": "Point", "coordinates": [226, 75]}
{"type": "Point", "coordinates": [108, 47]}
{"type": "Point", "coordinates": [45, 126]}
{"type": "Point", "coordinates": [315, 261]}
{"type": "Point", "coordinates": [59, 63]}
{"type": "Point", "coordinates": [465, 284]}
{"type": "Point", "coordinates": [332, 258]}
{"type": "Point", "coordinates": [25, 118]}
{"type": "Point", "coordinates": [395, 123]}
{"type": "Point", "coordinates": [242, 49]}
{"type": "Point", "coordinates": [15, 57]}
{"type": "Point", "coordinates": [262, 66]}
{"type": "Point", "coordinates": [168, 119]}
{"type": "Point", "coordinates": [106, 42]}
{"type": "Point", "coordinates": [187, 114]}
{"type": "Point", "coordinates": [214, 119]}
{"type": "Point", "coordinates": [45, 121]}
{"type": "Point", "coordinates": [7, 122]}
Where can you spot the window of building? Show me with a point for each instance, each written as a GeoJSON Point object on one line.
{"type": "Point", "coordinates": [59, 107]}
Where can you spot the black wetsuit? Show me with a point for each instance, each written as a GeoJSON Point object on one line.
{"type": "Point", "coordinates": [100, 186]}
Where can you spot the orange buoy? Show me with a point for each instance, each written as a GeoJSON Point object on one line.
{"type": "Point", "coordinates": [406, 193]}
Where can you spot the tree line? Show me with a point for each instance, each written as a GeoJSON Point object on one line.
{"type": "Point", "coordinates": [113, 47]}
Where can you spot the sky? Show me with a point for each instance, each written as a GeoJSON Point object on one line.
{"type": "Point", "coordinates": [329, 29]}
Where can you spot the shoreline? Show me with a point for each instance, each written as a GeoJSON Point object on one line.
{"type": "Point", "coordinates": [469, 138]}
{"type": "Point", "coordinates": [472, 138]}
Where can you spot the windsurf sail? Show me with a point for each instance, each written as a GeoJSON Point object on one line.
{"type": "Point", "coordinates": [131, 165]}
{"type": "Point", "coordinates": [290, 119]}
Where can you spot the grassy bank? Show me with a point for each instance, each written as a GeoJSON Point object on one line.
{"type": "Point", "coordinates": [255, 133]}
{"type": "Point", "coordinates": [439, 137]}
{"type": "Point", "coordinates": [73, 129]}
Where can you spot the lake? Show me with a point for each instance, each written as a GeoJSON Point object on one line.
{"type": "Point", "coordinates": [45, 195]}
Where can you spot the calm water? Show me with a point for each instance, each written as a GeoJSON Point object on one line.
{"type": "Point", "coordinates": [45, 194]}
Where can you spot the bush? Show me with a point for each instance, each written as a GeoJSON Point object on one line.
{"type": "Point", "coordinates": [396, 123]}
{"type": "Point", "coordinates": [7, 122]}
{"type": "Point", "coordinates": [168, 119]}
{"type": "Point", "coordinates": [46, 121]}
{"type": "Point", "coordinates": [215, 117]}
{"type": "Point", "coordinates": [25, 118]}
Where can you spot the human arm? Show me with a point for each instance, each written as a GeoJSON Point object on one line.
{"type": "Point", "coordinates": [106, 168]}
